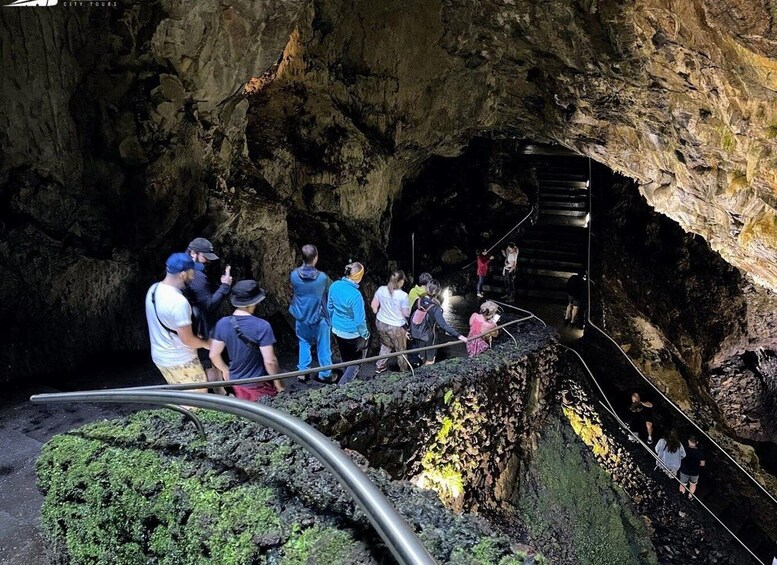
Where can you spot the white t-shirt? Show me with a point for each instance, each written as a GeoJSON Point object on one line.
{"type": "Point", "coordinates": [174, 311]}
{"type": "Point", "coordinates": [391, 305]}
{"type": "Point", "coordinates": [511, 259]}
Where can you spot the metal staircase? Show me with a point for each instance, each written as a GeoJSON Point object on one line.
{"type": "Point", "coordinates": [555, 247]}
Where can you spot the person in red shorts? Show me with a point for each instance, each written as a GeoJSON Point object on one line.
{"type": "Point", "coordinates": [249, 341]}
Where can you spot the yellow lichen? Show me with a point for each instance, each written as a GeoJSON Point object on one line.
{"type": "Point", "coordinates": [762, 230]}
{"type": "Point", "coordinates": [590, 432]}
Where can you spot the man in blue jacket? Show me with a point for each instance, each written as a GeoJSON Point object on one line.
{"type": "Point", "coordinates": [309, 288]}
{"type": "Point", "coordinates": [349, 322]}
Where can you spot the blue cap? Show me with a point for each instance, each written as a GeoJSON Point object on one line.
{"type": "Point", "coordinates": [178, 263]}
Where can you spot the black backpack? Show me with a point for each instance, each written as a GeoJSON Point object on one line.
{"type": "Point", "coordinates": [421, 320]}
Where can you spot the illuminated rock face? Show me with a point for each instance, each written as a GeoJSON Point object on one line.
{"type": "Point", "coordinates": [124, 132]}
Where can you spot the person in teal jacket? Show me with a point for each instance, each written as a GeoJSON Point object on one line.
{"type": "Point", "coordinates": [349, 321]}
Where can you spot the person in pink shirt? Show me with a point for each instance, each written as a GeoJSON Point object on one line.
{"type": "Point", "coordinates": [483, 260]}
{"type": "Point", "coordinates": [480, 323]}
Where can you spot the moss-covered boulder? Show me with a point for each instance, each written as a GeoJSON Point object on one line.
{"type": "Point", "coordinates": [149, 489]}
{"type": "Point", "coordinates": [460, 427]}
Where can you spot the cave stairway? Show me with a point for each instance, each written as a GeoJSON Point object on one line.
{"type": "Point", "coordinates": [554, 247]}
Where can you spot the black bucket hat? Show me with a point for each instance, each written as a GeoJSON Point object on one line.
{"type": "Point", "coordinates": [246, 293]}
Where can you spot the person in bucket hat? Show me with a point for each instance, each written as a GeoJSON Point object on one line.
{"type": "Point", "coordinates": [249, 341]}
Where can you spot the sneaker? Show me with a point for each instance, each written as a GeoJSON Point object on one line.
{"type": "Point", "coordinates": [649, 440]}
{"type": "Point", "coordinates": [480, 295]}
{"type": "Point", "coordinates": [303, 378]}
{"type": "Point", "coordinates": [380, 371]}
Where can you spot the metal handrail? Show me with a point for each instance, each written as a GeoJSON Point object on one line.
{"type": "Point", "coordinates": [388, 523]}
{"type": "Point", "coordinates": [655, 456]}
{"type": "Point", "coordinates": [344, 364]}
{"type": "Point", "coordinates": [644, 377]}
{"type": "Point", "coordinates": [531, 212]}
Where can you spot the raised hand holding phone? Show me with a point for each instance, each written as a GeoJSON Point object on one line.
{"type": "Point", "coordinates": [226, 278]}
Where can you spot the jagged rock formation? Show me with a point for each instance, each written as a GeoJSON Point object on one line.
{"type": "Point", "coordinates": [124, 133]}
{"type": "Point", "coordinates": [711, 337]}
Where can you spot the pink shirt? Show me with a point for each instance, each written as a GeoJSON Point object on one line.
{"type": "Point", "coordinates": [478, 325]}
{"type": "Point", "coordinates": [483, 262]}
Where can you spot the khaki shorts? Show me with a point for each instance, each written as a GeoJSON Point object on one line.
{"type": "Point", "coordinates": [191, 372]}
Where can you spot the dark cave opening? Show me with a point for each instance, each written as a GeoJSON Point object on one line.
{"type": "Point", "coordinates": [453, 206]}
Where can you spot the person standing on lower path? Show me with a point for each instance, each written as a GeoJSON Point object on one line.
{"type": "Point", "coordinates": [205, 304]}
{"type": "Point", "coordinates": [425, 320]}
{"type": "Point", "coordinates": [690, 468]}
{"type": "Point", "coordinates": [670, 453]}
{"type": "Point", "coordinates": [420, 289]}
{"type": "Point", "coordinates": [249, 341]}
{"type": "Point", "coordinates": [510, 269]}
{"type": "Point", "coordinates": [309, 288]}
{"type": "Point", "coordinates": [345, 305]}
{"type": "Point", "coordinates": [169, 316]}
{"type": "Point", "coordinates": [391, 306]}
{"type": "Point", "coordinates": [576, 286]}
{"type": "Point", "coordinates": [483, 261]}
{"type": "Point", "coordinates": [641, 417]}
{"type": "Point", "coordinates": [480, 323]}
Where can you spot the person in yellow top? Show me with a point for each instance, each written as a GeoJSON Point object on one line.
{"type": "Point", "coordinates": [420, 289]}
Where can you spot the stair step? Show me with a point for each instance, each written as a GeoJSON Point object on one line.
{"type": "Point", "coordinates": [562, 178]}
{"type": "Point", "coordinates": [559, 273]}
{"type": "Point", "coordinates": [551, 253]}
{"type": "Point", "coordinates": [550, 220]}
{"type": "Point", "coordinates": [565, 196]}
{"type": "Point", "coordinates": [549, 263]}
{"type": "Point", "coordinates": [562, 212]}
{"type": "Point", "coordinates": [560, 189]}
{"type": "Point", "coordinates": [553, 204]}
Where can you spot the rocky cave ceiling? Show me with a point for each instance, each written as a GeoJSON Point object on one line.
{"type": "Point", "coordinates": [123, 129]}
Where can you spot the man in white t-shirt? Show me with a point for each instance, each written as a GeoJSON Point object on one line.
{"type": "Point", "coordinates": [169, 316]}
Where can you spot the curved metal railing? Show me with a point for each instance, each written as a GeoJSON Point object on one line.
{"type": "Point", "coordinates": [388, 523]}
{"type": "Point", "coordinates": [291, 374]}
{"type": "Point", "coordinates": [645, 378]}
{"type": "Point", "coordinates": [505, 236]}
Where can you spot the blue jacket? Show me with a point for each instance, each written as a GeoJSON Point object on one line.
{"type": "Point", "coordinates": [346, 310]}
{"type": "Point", "coordinates": [308, 301]}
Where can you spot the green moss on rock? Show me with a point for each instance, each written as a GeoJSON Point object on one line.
{"type": "Point", "coordinates": [568, 497]}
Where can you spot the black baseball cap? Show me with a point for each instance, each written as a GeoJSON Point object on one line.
{"type": "Point", "coordinates": [202, 245]}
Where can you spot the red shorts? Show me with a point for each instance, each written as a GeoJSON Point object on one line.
{"type": "Point", "coordinates": [254, 392]}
